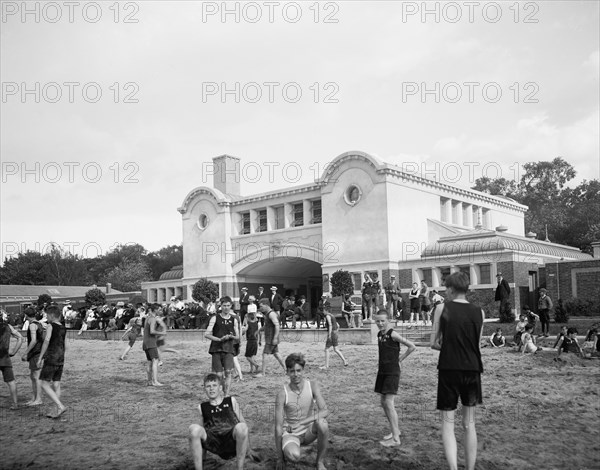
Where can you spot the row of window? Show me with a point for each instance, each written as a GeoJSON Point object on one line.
{"type": "Point", "coordinates": [297, 217]}
{"type": "Point", "coordinates": [463, 213]}
{"type": "Point", "coordinates": [484, 275]}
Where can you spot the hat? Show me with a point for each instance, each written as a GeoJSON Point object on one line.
{"type": "Point", "coordinates": [244, 288]}
{"type": "Point", "coordinates": [67, 301]}
{"type": "Point", "coordinates": [499, 274]}
{"type": "Point", "coordinates": [120, 304]}
{"type": "Point", "coordinates": [273, 288]}
{"type": "Point", "coordinates": [173, 298]}
{"type": "Point", "coordinates": [543, 290]}
{"type": "Point", "coordinates": [393, 276]}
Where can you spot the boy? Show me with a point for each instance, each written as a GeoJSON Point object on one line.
{"type": "Point", "coordinates": [53, 357]}
{"type": "Point", "coordinates": [271, 330]}
{"type": "Point", "coordinates": [150, 346]}
{"type": "Point", "coordinates": [296, 421]}
{"type": "Point", "coordinates": [222, 429]}
{"type": "Point", "coordinates": [134, 329]}
{"type": "Point", "coordinates": [35, 339]}
{"type": "Point", "coordinates": [6, 332]}
{"type": "Point", "coordinates": [332, 338]}
{"type": "Point", "coordinates": [457, 330]}
{"type": "Point", "coordinates": [531, 317]}
{"type": "Point", "coordinates": [497, 339]}
{"type": "Point", "coordinates": [388, 375]}
{"type": "Point", "coordinates": [569, 344]}
{"type": "Point", "coordinates": [222, 330]}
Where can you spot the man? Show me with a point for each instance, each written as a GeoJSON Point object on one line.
{"type": "Point", "coordinates": [6, 333]}
{"type": "Point", "coordinates": [276, 300]}
{"type": "Point", "coordinates": [392, 293]}
{"type": "Point", "coordinates": [301, 312]}
{"type": "Point", "coordinates": [66, 307]}
{"type": "Point", "coordinates": [271, 330]}
{"type": "Point", "coordinates": [150, 346]}
{"type": "Point", "coordinates": [457, 330]}
{"type": "Point", "coordinates": [324, 304]}
{"type": "Point", "coordinates": [222, 429]}
{"type": "Point", "coordinates": [544, 307]}
{"type": "Point", "coordinates": [222, 331]}
{"type": "Point", "coordinates": [502, 293]}
{"type": "Point", "coordinates": [297, 423]}
{"type": "Point", "coordinates": [244, 302]}
{"type": "Point", "coordinates": [288, 308]}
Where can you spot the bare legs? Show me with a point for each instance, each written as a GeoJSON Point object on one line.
{"type": "Point", "coordinates": [198, 434]}
{"type": "Point", "coordinates": [292, 450]}
{"type": "Point", "coordinates": [387, 403]}
{"type": "Point", "coordinates": [470, 439]}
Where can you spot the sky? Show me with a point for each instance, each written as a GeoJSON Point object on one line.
{"type": "Point", "coordinates": [112, 112]}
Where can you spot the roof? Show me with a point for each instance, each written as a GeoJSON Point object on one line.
{"type": "Point", "coordinates": [176, 272]}
{"type": "Point", "coordinates": [483, 240]}
{"type": "Point", "coordinates": [28, 292]}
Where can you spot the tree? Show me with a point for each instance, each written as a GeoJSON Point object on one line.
{"type": "Point", "coordinates": [95, 297]}
{"type": "Point", "coordinates": [164, 259]}
{"type": "Point", "coordinates": [26, 268]}
{"type": "Point", "coordinates": [341, 283]}
{"type": "Point", "coordinates": [571, 214]}
{"type": "Point", "coordinates": [129, 275]}
{"type": "Point", "coordinates": [205, 291]}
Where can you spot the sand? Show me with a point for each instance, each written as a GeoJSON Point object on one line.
{"type": "Point", "coordinates": [537, 413]}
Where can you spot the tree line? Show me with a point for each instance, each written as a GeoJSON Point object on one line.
{"type": "Point", "coordinates": [125, 267]}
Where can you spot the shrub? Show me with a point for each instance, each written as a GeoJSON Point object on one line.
{"type": "Point", "coordinates": [576, 307]}
{"type": "Point", "coordinates": [205, 291]}
{"type": "Point", "coordinates": [341, 283]}
{"type": "Point", "coordinates": [95, 297]}
{"type": "Point", "coordinates": [44, 299]}
{"type": "Point", "coordinates": [560, 312]}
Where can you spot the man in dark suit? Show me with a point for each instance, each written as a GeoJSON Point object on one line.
{"type": "Point", "coordinates": [502, 293]}
{"type": "Point", "coordinates": [244, 302]}
{"type": "Point", "coordinates": [275, 300]}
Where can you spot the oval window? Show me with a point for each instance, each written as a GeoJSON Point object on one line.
{"type": "Point", "coordinates": [352, 195]}
{"type": "Point", "coordinates": [202, 221]}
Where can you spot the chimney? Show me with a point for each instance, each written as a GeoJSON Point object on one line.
{"type": "Point", "coordinates": [596, 249]}
{"type": "Point", "coordinates": [227, 174]}
{"type": "Point", "coordinates": [108, 287]}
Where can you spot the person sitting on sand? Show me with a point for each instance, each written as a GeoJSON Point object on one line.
{"type": "Point", "coordinates": [519, 329]}
{"type": "Point", "coordinates": [222, 429]}
{"type": "Point", "coordinates": [528, 340]}
{"type": "Point", "coordinates": [531, 317]}
{"type": "Point", "coordinates": [591, 345]}
{"type": "Point", "coordinates": [297, 422]}
{"type": "Point", "coordinates": [569, 344]}
{"type": "Point", "coordinates": [560, 336]}
{"type": "Point", "coordinates": [497, 339]}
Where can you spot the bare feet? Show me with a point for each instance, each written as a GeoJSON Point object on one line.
{"type": "Point", "coordinates": [157, 384]}
{"type": "Point", "coordinates": [14, 406]}
{"type": "Point", "coordinates": [58, 414]}
{"type": "Point", "coordinates": [33, 403]}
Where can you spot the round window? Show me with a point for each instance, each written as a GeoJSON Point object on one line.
{"type": "Point", "coordinates": [352, 195]}
{"type": "Point", "coordinates": [202, 221]}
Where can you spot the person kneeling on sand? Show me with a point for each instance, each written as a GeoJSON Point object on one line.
{"type": "Point", "coordinates": [222, 429]}
{"type": "Point", "coordinates": [528, 340]}
{"type": "Point", "coordinates": [297, 423]}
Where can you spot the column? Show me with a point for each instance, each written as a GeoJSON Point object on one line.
{"type": "Point", "coordinates": [270, 218]}
{"type": "Point", "coordinates": [253, 221]}
{"type": "Point", "coordinates": [436, 276]}
{"type": "Point", "coordinates": [468, 215]}
{"type": "Point", "coordinates": [473, 274]}
{"type": "Point", "coordinates": [447, 210]}
{"type": "Point", "coordinates": [307, 213]}
{"type": "Point", "coordinates": [457, 213]}
{"type": "Point", "coordinates": [287, 215]}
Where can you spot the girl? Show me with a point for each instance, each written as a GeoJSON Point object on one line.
{"type": "Point", "coordinates": [528, 342]}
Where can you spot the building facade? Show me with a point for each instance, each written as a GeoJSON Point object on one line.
{"type": "Point", "coordinates": [362, 215]}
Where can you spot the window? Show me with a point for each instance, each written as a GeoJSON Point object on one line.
{"type": "Point", "coordinates": [357, 279]}
{"type": "Point", "coordinates": [298, 215]}
{"type": "Point", "coordinates": [202, 221]}
{"type": "Point", "coordinates": [262, 220]}
{"type": "Point", "coordinates": [466, 270]}
{"type": "Point", "coordinates": [245, 223]}
{"type": "Point", "coordinates": [444, 272]}
{"type": "Point", "coordinates": [316, 211]}
{"type": "Point", "coordinates": [352, 195]}
{"type": "Point", "coordinates": [485, 274]}
{"type": "Point", "coordinates": [427, 276]}
{"type": "Point", "coordinates": [279, 217]}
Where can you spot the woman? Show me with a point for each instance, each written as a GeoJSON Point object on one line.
{"type": "Point", "coordinates": [425, 303]}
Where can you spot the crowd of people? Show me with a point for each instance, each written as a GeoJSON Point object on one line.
{"type": "Point", "coordinates": [300, 411]}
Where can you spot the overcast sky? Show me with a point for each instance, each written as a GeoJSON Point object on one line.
{"type": "Point", "coordinates": [111, 113]}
